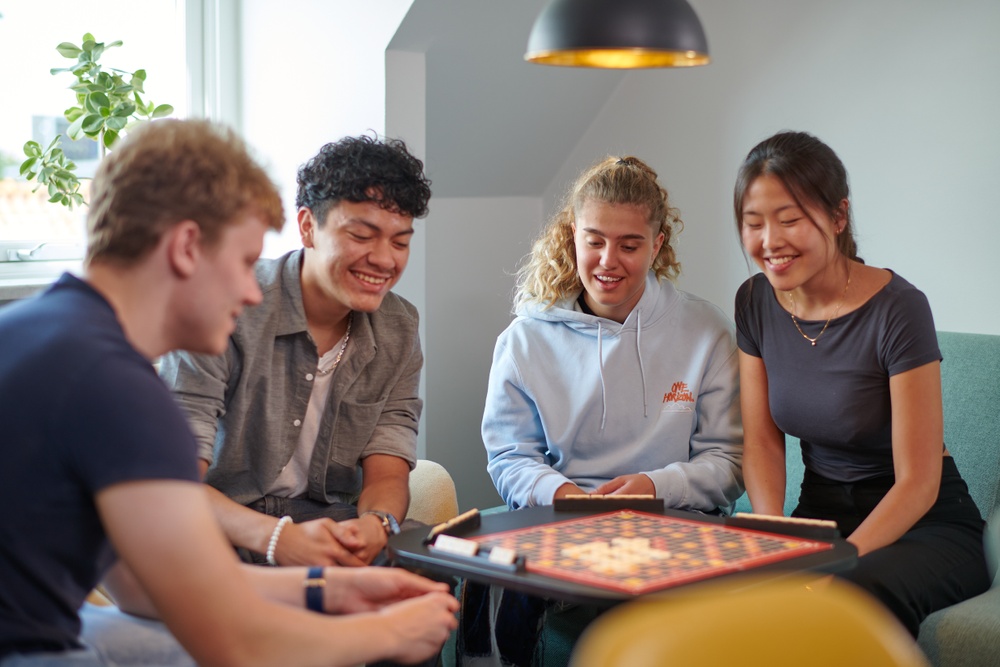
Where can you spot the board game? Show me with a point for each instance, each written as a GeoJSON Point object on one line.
{"type": "Point", "coordinates": [636, 552]}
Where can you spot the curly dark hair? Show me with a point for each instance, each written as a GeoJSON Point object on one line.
{"type": "Point", "coordinates": [362, 169]}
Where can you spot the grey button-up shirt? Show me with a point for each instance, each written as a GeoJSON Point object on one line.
{"type": "Point", "coordinates": [246, 406]}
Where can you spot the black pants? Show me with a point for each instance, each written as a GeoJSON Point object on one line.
{"type": "Point", "coordinates": [937, 563]}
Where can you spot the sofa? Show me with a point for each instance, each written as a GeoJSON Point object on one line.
{"type": "Point", "coordinates": [966, 634]}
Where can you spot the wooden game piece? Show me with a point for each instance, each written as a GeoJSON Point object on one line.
{"type": "Point", "coordinates": [472, 553]}
{"type": "Point", "coordinates": [455, 545]}
{"type": "Point", "coordinates": [619, 556]}
{"type": "Point", "coordinates": [502, 556]}
{"type": "Point", "coordinates": [462, 522]}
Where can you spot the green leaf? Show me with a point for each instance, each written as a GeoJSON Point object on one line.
{"type": "Point", "coordinates": [92, 124]}
{"type": "Point", "coordinates": [100, 100]}
{"type": "Point", "coordinates": [56, 198]}
{"type": "Point", "coordinates": [162, 110]}
{"type": "Point", "coordinates": [68, 50]}
{"type": "Point", "coordinates": [113, 44]}
{"type": "Point", "coordinates": [124, 109]}
{"type": "Point", "coordinates": [58, 70]}
{"type": "Point", "coordinates": [32, 149]}
{"type": "Point", "coordinates": [28, 168]}
{"type": "Point", "coordinates": [140, 74]}
{"type": "Point", "coordinates": [110, 138]}
{"type": "Point", "coordinates": [89, 43]}
{"type": "Point", "coordinates": [115, 122]}
{"type": "Point", "coordinates": [75, 130]}
{"type": "Point", "coordinates": [72, 113]}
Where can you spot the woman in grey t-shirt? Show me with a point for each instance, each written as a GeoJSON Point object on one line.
{"type": "Point", "coordinates": [844, 356]}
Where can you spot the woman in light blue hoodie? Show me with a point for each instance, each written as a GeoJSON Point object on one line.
{"type": "Point", "coordinates": [611, 380]}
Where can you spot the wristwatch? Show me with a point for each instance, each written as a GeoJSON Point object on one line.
{"type": "Point", "coordinates": [389, 523]}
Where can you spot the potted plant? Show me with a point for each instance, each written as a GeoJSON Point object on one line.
{"type": "Point", "coordinates": [108, 103]}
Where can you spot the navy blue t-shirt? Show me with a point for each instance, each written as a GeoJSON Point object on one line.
{"type": "Point", "coordinates": [834, 396]}
{"type": "Point", "coordinates": [80, 410]}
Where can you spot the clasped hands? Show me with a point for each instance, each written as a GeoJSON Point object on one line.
{"type": "Point", "coordinates": [349, 543]}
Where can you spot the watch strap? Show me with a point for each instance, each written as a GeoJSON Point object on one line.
{"type": "Point", "coordinates": [315, 585]}
{"type": "Point", "coordinates": [389, 523]}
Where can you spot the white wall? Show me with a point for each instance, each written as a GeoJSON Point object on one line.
{"type": "Point", "coordinates": [473, 248]}
{"type": "Point", "coordinates": [313, 71]}
{"type": "Point", "coordinates": [905, 91]}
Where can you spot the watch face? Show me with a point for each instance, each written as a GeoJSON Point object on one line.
{"type": "Point", "coordinates": [389, 522]}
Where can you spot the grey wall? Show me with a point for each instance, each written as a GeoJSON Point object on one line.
{"type": "Point", "coordinates": [906, 91]}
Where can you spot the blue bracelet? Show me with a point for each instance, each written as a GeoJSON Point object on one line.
{"type": "Point", "coordinates": [314, 585]}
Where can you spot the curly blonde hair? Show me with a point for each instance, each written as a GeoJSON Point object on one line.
{"type": "Point", "coordinates": [549, 273]}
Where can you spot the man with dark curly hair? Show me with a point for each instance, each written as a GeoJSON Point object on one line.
{"type": "Point", "coordinates": [307, 424]}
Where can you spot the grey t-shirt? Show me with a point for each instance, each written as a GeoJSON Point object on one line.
{"type": "Point", "coordinates": [834, 396]}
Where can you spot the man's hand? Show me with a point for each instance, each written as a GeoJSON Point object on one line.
{"type": "Point", "coordinates": [368, 535]}
{"type": "Point", "coordinates": [628, 485]}
{"type": "Point", "coordinates": [320, 542]}
{"type": "Point", "coordinates": [373, 588]}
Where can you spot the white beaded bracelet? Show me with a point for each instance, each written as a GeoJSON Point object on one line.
{"type": "Point", "coordinates": [273, 544]}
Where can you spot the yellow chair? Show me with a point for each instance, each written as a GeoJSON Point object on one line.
{"type": "Point", "coordinates": [749, 622]}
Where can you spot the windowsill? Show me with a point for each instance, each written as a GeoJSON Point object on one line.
{"type": "Point", "coordinates": [19, 289]}
{"type": "Point", "coordinates": [30, 277]}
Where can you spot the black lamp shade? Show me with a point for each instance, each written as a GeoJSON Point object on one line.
{"type": "Point", "coordinates": [618, 34]}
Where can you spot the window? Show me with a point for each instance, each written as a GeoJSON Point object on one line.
{"type": "Point", "coordinates": [38, 239]}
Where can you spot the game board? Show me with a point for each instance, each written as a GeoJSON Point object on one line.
{"type": "Point", "coordinates": [637, 552]}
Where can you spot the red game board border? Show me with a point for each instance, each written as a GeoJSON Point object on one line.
{"type": "Point", "coordinates": [610, 582]}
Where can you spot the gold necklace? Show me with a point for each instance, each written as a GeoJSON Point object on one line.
{"type": "Point", "coordinates": [795, 320]}
{"type": "Point", "coordinates": [340, 353]}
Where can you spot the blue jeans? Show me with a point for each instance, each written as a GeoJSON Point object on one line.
{"type": "Point", "coordinates": [112, 638]}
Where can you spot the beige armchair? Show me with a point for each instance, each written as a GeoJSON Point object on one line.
{"type": "Point", "coordinates": [433, 498]}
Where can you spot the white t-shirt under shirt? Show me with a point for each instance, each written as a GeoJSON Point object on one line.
{"type": "Point", "coordinates": [293, 481]}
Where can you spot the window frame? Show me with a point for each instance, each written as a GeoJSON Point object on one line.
{"type": "Point", "coordinates": [211, 34]}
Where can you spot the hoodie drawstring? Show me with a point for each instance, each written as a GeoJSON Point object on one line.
{"type": "Point", "coordinates": [600, 368]}
{"type": "Point", "coordinates": [638, 352]}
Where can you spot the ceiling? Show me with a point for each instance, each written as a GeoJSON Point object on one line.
{"type": "Point", "coordinates": [496, 126]}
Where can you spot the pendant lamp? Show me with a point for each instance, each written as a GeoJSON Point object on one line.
{"type": "Point", "coordinates": [618, 34]}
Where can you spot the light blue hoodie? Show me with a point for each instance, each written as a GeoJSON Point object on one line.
{"type": "Point", "coordinates": [577, 398]}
